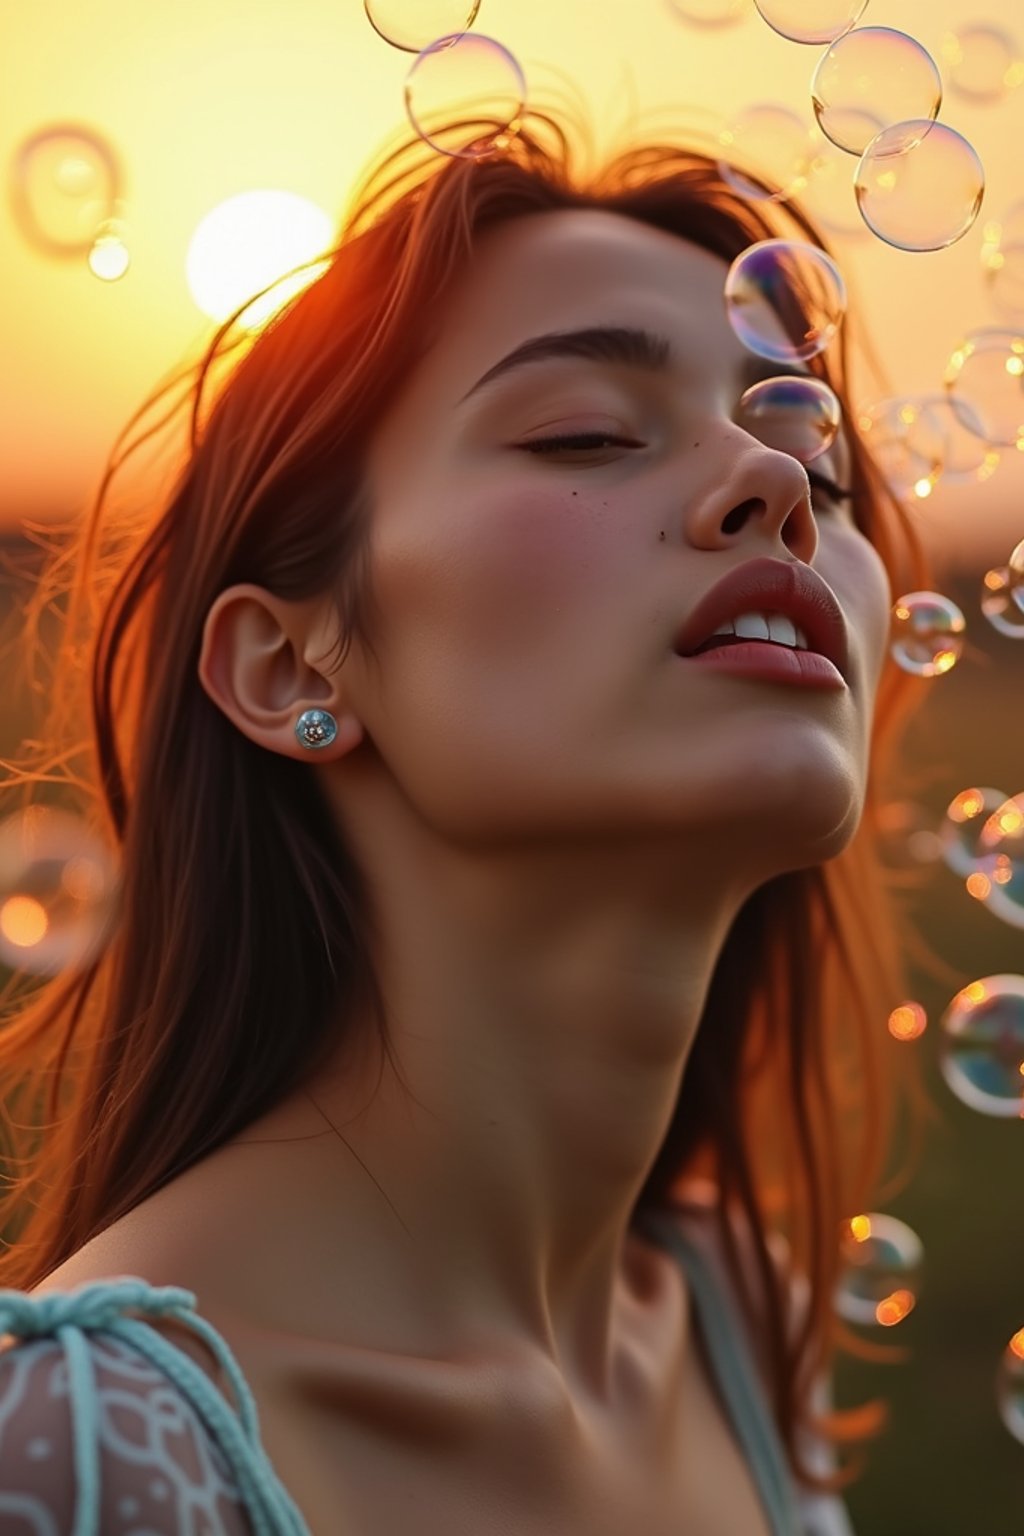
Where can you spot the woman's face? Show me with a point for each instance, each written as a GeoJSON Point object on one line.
{"type": "Point", "coordinates": [528, 685]}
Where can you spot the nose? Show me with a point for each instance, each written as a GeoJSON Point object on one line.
{"type": "Point", "coordinates": [759, 494]}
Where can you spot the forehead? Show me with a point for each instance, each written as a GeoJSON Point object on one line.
{"type": "Point", "coordinates": [578, 267]}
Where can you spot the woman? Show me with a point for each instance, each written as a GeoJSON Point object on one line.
{"type": "Point", "coordinates": [491, 1038]}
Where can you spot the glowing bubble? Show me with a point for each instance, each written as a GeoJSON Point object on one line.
{"type": "Point", "coordinates": [868, 80]}
{"type": "Point", "coordinates": [1001, 848]}
{"type": "Point", "coordinates": [966, 816]}
{"type": "Point", "coordinates": [981, 1052]}
{"type": "Point", "coordinates": [774, 145]}
{"type": "Point", "coordinates": [1010, 1386]}
{"type": "Point", "coordinates": [65, 183]}
{"type": "Point", "coordinates": [919, 185]}
{"type": "Point", "coordinates": [798, 416]}
{"type": "Point", "coordinates": [908, 1021]}
{"type": "Point", "coordinates": [982, 63]}
{"type": "Point", "coordinates": [785, 299]}
{"type": "Point", "coordinates": [58, 885]}
{"type": "Point", "coordinates": [472, 78]}
{"type": "Point", "coordinates": [708, 13]}
{"type": "Point", "coordinates": [986, 372]}
{"type": "Point", "coordinates": [926, 633]}
{"type": "Point", "coordinates": [1001, 602]}
{"type": "Point", "coordinates": [811, 21]}
{"type": "Point", "coordinates": [906, 835]}
{"type": "Point", "coordinates": [881, 1278]}
{"type": "Point", "coordinates": [414, 24]}
{"type": "Point", "coordinates": [829, 194]}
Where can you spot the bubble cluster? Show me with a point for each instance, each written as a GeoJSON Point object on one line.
{"type": "Point", "coordinates": [871, 79]}
{"type": "Point", "coordinates": [881, 1280]}
{"type": "Point", "coordinates": [475, 79]}
{"type": "Point", "coordinates": [774, 145]}
{"type": "Point", "coordinates": [916, 440]}
{"type": "Point", "coordinates": [798, 416]}
{"type": "Point", "coordinates": [785, 299]}
{"type": "Point", "coordinates": [414, 27]}
{"type": "Point", "coordinates": [982, 1051]}
{"type": "Point", "coordinates": [919, 185]}
{"type": "Point", "coordinates": [811, 21]}
{"type": "Point", "coordinates": [927, 633]}
{"type": "Point", "coordinates": [986, 372]}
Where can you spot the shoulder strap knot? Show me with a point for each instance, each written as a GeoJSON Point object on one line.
{"type": "Point", "coordinates": [90, 1308]}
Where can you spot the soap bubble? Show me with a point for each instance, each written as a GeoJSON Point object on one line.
{"type": "Point", "coordinates": [1000, 604]}
{"type": "Point", "coordinates": [868, 80]}
{"type": "Point", "coordinates": [1016, 568]}
{"type": "Point", "coordinates": [64, 187]}
{"type": "Point", "coordinates": [926, 636]}
{"type": "Point", "coordinates": [919, 185]}
{"type": "Point", "coordinates": [785, 299]}
{"type": "Point", "coordinates": [415, 26]}
{"type": "Point", "coordinates": [1001, 847]}
{"type": "Point", "coordinates": [1002, 260]}
{"type": "Point", "coordinates": [821, 21]}
{"type": "Point", "coordinates": [1010, 1386]}
{"type": "Point", "coordinates": [906, 443]}
{"type": "Point", "coordinates": [829, 194]}
{"type": "Point", "coordinates": [774, 145]}
{"type": "Point", "coordinates": [881, 1280]}
{"type": "Point", "coordinates": [966, 816]}
{"type": "Point", "coordinates": [982, 1046]}
{"type": "Point", "coordinates": [986, 372]}
{"type": "Point", "coordinates": [800, 417]}
{"type": "Point", "coordinates": [983, 63]}
{"type": "Point", "coordinates": [708, 13]}
{"type": "Point", "coordinates": [469, 77]}
{"type": "Point", "coordinates": [965, 455]}
{"type": "Point", "coordinates": [58, 885]}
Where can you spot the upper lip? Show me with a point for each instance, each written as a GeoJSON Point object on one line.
{"type": "Point", "coordinates": [772, 586]}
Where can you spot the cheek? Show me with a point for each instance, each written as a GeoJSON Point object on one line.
{"type": "Point", "coordinates": [502, 576]}
{"type": "Point", "coordinates": [856, 573]}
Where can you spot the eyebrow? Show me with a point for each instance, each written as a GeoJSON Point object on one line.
{"type": "Point", "coordinates": [634, 346]}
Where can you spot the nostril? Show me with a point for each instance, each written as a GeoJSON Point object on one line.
{"type": "Point", "coordinates": [738, 515]}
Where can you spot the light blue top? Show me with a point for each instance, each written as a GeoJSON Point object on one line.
{"type": "Point", "coordinates": [66, 1327]}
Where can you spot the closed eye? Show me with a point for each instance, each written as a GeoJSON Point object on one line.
{"type": "Point", "coordinates": [580, 441]}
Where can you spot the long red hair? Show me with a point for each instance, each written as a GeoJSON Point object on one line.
{"type": "Point", "coordinates": [241, 927]}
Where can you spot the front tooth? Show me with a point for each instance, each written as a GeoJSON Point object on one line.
{"type": "Point", "coordinates": [782, 629]}
{"type": "Point", "coordinates": [751, 626]}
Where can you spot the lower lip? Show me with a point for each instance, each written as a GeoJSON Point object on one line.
{"type": "Point", "coordinates": [773, 663]}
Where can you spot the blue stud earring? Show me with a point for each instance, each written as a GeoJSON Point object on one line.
{"type": "Point", "coordinates": [316, 728]}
